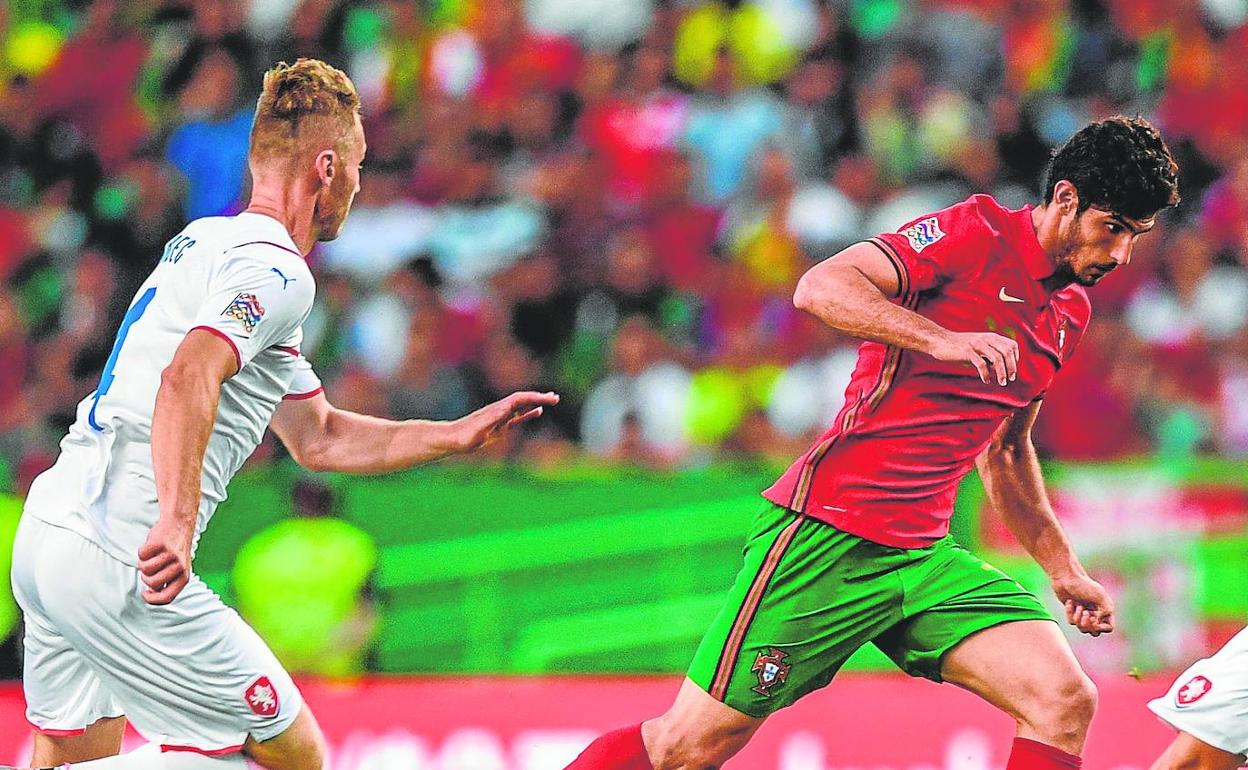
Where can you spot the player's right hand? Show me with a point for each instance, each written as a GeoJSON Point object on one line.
{"type": "Point", "coordinates": [1089, 606]}
{"type": "Point", "coordinates": [994, 357]}
{"type": "Point", "coordinates": [165, 560]}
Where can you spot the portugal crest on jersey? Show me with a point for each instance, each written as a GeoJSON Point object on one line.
{"type": "Point", "coordinates": [771, 670]}
{"type": "Point", "coordinates": [923, 234]}
{"type": "Point", "coordinates": [246, 309]}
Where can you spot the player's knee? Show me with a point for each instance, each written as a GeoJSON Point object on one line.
{"type": "Point", "coordinates": [679, 745]}
{"type": "Point", "coordinates": [1189, 753]}
{"type": "Point", "coordinates": [307, 755]}
{"type": "Point", "coordinates": [300, 747]}
{"type": "Point", "coordinates": [679, 756]}
{"type": "Point", "coordinates": [1063, 711]}
{"type": "Point", "coordinates": [315, 755]}
{"type": "Point", "coordinates": [1178, 762]}
{"type": "Point", "coordinates": [1080, 692]}
{"type": "Point", "coordinates": [101, 739]}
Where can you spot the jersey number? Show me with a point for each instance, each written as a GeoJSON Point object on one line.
{"type": "Point", "coordinates": [106, 378]}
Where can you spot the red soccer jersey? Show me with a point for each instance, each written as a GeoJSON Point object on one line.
{"type": "Point", "coordinates": [888, 468]}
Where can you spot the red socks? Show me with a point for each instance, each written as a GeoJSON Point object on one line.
{"type": "Point", "coordinates": [617, 750]}
{"type": "Point", "coordinates": [623, 750]}
{"type": "Point", "coordinates": [1034, 755]}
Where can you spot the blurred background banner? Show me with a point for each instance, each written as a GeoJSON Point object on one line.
{"type": "Point", "coordinates": [615, 200]}
{"type": "Point", "coordinates": [468, 568]}
{"type": "Point", "coordinates": [541, 724]}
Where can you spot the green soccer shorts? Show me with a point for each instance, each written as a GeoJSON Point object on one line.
{"type": "Point", "coordinates": [809, 595]}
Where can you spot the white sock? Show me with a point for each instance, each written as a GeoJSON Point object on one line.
{"type": "Point", "coordinates": [150, 757]}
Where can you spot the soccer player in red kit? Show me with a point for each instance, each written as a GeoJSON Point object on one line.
{"type": "Point", "coordinates": [967, 314]}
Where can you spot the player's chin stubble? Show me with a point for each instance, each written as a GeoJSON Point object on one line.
{"type": "Point", "coordinates": [329, 220]}
{"type": "Point", "coordinates": [1092, 274]}
{"type": "Point", "coordinates": [1065, 272]}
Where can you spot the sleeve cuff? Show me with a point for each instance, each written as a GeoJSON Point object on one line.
{"type": "Point", "coordinates": [238, 357]}
{"type": "Point", "coordinates": [903, 272]}
{"type": "Point", "coordinates": [302, 396]}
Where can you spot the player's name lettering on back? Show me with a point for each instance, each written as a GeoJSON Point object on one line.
{"type": "Point", "coordinates": [175, 248]}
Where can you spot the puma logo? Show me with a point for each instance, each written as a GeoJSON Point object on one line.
{"type": "Point", "coordinates": [286, 280]}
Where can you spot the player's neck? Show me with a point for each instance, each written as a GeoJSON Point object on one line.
{"type": "Point", "coordinates": [1045, 220]}
{"type": "Point", "coordinates": [287, 209]}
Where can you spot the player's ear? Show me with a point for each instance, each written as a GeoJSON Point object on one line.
{"type": "Point", "coordinates": [1066, 196]}
{"type": "Point", "coordinates": [325, 167]}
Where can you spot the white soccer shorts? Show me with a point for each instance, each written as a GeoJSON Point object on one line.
{"type": "Point", "coordinates": [190, 675]}
{"type": "Point", "coordinates": [1209, 701]}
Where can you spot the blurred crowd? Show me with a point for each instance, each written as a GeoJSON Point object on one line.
{"type": "Point", "coordinates": [614, 200]}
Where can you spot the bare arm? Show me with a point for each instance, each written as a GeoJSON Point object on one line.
{"type": "Point", "coordinates": [850, 292]}
{"type": "Point", "coordinates": [186, 408]}
{"type": "Point", "coordinates": [324, 438]}
{"type": "Point", "coordinates": [1010, 470]}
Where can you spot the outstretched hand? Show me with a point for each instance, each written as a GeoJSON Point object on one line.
{"type": "Point", "coordinates": [1088, 605]}
{"type": "Point", "coordinates": [486, 425]}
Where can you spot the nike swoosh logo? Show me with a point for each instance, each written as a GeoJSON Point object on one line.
{"type": "Point", "coordinates": [1007, 298]}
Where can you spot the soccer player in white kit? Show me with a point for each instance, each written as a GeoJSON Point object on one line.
{"type": "Point", "coordinates": [1208, 705]}
{"type": "Point", "coordinates": [117, 625]}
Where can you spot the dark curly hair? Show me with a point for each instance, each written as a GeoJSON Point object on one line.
{"type": "Point", "coordinates": [1118, 164]}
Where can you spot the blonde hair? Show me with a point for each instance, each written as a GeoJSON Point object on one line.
{"type": "Point", "coordinates": [300, 103]}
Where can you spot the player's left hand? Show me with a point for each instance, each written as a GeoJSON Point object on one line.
{"type": "Point", "coordinates": [165, 560]}
{"type": "Point", "coordinates": [1088, 605]}
{"type": "Point", "coordinates": [486, 425]}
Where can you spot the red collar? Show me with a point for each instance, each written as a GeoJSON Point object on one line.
{"type": "Point", "coordinates": [1039, 265]}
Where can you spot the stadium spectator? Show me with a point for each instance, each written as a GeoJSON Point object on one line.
{"type": "Point", "coordinates": [1197, 300]}
{"type": "Point", "coordinates": [91, 84]}
{"type": "Point", "coordinates": [427, 387]}
{"type": "Point", "coordinates": [303, 583]}
{"type": "Point", "coordinates": [756, 228]}
{"type": "Point", "coordinates": [637, 413]}
{"type": "Point", "coordinates": [479, 231]}
{"type": "Point", "coordinates": [726, 124]}
{"type": "Point", "coordinates": [681, 231]}
{"type": "Point", "coordinates": [1224, 210]}
{"type": "Point", "coordinates": [209, 146]}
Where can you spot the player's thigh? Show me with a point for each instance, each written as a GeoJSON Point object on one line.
{"type": "Point", "coordinates": [299, 747]}
{"type": "Point", "coordinates": [950, 598]}
{"type": "Point", "coordinates": [99, 739]}
{"type": "Point", "coordinates": [64, 695]}
{"type": "Point", "coordinates": [1027, 669]}
{"type": "Point", "coordinates": [1188, 752]}
{"type": "Point", "coordinates": [74, 712]}
{"type": "Point", "coordinates": [970, 624]}
{"type": "Point", "coordinates": [806, 598]}
{"type": "Point", "coordinates": [190, 675]}
{"type": "Point", "coordinates": [230, 688]}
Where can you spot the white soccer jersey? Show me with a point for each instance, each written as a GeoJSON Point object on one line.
{"type": "Point", "coordinates": [241, 278]}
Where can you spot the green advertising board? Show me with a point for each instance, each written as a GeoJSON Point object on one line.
{"type": "Point", "coordinates": [511, 569]}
